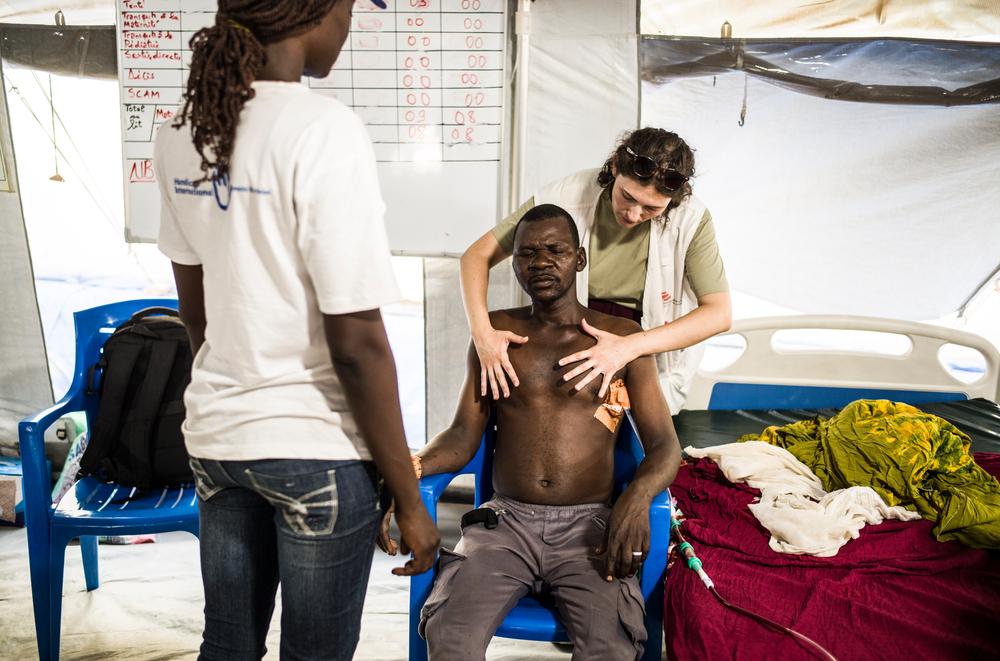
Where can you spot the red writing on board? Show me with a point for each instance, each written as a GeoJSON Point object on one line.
{"type": "Point", "coordinates": [153, 55]}
{"type": "Point", "coordinates": [142, 93]}
{"type": "Point", "coordinates": [148, 20]}
{"type": "Point", "coordinates": [141, 74]}
{"type": "Point", "coordinates": [141, 172]}
{"type": "Point", "coordinates": [149, 39]}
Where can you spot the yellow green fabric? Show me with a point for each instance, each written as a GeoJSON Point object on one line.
{"type": "Point", "coordinates": [618, 256]}
{"type": "Point", "coordinates": [908, 457]}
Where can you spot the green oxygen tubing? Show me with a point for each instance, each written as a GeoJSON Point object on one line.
{"type": "Point", "coordinates": [695, 564]}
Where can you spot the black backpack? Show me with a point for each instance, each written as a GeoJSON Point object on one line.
{"type": "Point", "coordinates": [136, 439]}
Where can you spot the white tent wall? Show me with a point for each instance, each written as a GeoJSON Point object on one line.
{"type": "Point", "coordinates": [880, 210]}
{"type": "Point", "coordinates": [885, 205]}
{"type": "Point", "coordinates": [446, 339]}
{"type": "Point", "coordinates": [583, 86]}
{"type": "Point", "coordinates": [75, 226]}
{"type": "Point", "coordinates": [24, 374]}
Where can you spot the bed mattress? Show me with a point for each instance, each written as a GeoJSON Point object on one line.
{"type": "Point", "coordinates": [979, 418]}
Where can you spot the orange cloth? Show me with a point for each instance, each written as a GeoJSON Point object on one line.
{"type": "Point", "coordinates": [611, 412]}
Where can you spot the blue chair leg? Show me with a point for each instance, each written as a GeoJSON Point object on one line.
{"type": "Point", "coordinates": [88, 547]}
{"type": "Point", "coordinates": [57, 561]}
{"type": "Point", "coordinates": [41, 580]}
{"type": "Point", "coordinates": [654, 626]}
{"type": "Point", "coordinates": [420, 589]}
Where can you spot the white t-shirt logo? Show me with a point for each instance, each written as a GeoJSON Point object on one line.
{"type": "Point", "coordinates": [223, 191]}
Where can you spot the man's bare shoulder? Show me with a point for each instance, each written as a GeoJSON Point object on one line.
{"type": "Point", "coordinates": [510, 319]}
{"type": "Point", "coordinates": [612, 324]}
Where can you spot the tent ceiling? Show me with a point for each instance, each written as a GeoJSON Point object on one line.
{"type": "Point", "coordinates": [970, 20]}
{"type": "Point", "coordinates": [877, 70]}
{"type": "Point", "coordinates": [76, 12]}
{"type": "Point", "coordinates": [87, 51]}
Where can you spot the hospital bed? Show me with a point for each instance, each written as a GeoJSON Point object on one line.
{"type": "Point", "coordinates": [899, 360]}
{"type": "Point", "coordinates": [786, 371]}
{"type": "Point", "coordinates": [776, 379]}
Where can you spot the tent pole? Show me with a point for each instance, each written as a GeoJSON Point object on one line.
{"type": "Point", "coordinates": [522, 29]}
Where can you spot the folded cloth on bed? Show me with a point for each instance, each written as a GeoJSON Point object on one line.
{"type": "Point", "coordinates": [800, 515]}
{"type": "Point", "coordinates": [893, 594]}
{"type": "Point", "coordinates": [908, 457]}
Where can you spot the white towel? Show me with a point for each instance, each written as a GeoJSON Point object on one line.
{"type": "Point", "coordinates": [800, 515]}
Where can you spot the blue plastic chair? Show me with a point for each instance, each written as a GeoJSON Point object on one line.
{"type": "Point", "coordinates": [530, 619]}
{"type": "Point", "coordinates": [91, 507]}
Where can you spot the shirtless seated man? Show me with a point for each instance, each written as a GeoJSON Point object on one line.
{"type": "Point", "coordinates": [552, 474]}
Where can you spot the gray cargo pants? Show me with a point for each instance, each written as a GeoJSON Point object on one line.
{"type": "Point", "coordinates": [534, 549]}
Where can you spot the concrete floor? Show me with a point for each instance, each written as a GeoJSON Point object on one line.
{"type": "Point", "coordinates": [149, 604]}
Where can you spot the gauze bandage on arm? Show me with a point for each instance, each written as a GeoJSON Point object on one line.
{"type": "Point", "coordinates": [610, 413]}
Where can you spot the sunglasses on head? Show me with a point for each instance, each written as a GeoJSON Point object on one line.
{"type": "Point", "coordinates": [644, 167]}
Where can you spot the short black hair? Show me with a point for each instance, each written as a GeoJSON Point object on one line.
{"type": "Point", "coordinates": [545, 212]}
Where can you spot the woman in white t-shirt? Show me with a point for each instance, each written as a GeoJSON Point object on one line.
{"type": "Point", "coordinates": [272, 217]}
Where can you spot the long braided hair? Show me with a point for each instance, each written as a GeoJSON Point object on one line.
{"type": "Point", "coordinates": [226, 58]}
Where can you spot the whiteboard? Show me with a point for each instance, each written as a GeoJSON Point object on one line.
{"type": "Point", "coordinates": [425, 76]}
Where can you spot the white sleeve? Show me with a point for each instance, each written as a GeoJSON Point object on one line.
{"type": "Point", "coordinates": [340, 217]}
{"type": "Point", "coordinates": [171, 240]}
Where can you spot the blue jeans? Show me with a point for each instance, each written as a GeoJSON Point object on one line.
{"type": "Point", "coordinates": [308, 524]}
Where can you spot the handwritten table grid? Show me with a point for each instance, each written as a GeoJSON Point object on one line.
{"type": "Point", "coordinates": [426, 76]}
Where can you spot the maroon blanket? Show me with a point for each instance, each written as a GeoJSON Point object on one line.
{"type": "Point", "coordinates": [894, 593]}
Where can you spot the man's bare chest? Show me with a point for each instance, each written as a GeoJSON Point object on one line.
{"type": "Point", "coordinates": [539, 372]}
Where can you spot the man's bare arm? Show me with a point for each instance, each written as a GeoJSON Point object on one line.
{"type": "Point", "coordinates": [452, 449]}
{"type": "Point", "coordinates": [655, 426]}
{"type": "Point", "coordinates": [628, 530]}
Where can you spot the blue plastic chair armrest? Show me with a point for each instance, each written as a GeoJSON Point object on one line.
{"type": "Point", "coordinates": [661, 500]}
{"type": "Point", "coordinates": [42, 419]}
{"type": "Point", "coordinates": [31, 438]}
{"type": "Point", "coordinates": [659, 521]}
{"type": "Point", "coordinates": [431, 488]}
{"type": "Point", "coordinates": [659, 542]}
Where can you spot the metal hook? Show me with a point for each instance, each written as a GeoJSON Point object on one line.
{"type": "Point", "coordinates": [743, 110]}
